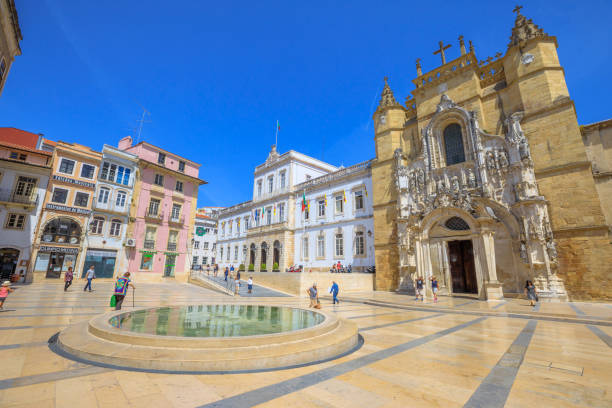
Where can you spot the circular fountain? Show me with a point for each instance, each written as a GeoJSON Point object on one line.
{"type": "Point", "coordinates": [209, 338]}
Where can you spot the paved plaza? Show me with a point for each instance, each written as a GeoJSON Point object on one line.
{"type": "Point", "coordinates": [458, 352]}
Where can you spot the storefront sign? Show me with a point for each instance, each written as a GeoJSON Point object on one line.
{"type": "Point", "coordinates": [64, 250]}
{"type": "Point", "coordinates": [200, 231]}
{"type": "Point", "coordinates": [72, 181]}
{"type": "Point", "coordinates": [68, 209]}
{"type": "Point", "coordinates": [102, 253]}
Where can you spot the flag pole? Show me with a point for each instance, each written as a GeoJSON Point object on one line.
{"type": "Point", "coordinates": [276, 136]}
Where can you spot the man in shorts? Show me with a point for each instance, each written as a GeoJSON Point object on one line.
{"type": "Point", "coordinates": [313, 294]}
{"type": "Point", "coordinates": [420, 288]}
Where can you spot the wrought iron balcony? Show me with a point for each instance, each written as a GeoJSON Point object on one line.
{"type": "Point", "coordinates": [149, 244]}
{"type": "Point", "coordinates": [9, 196]}
{"type": "Point", "coordinates": [171, 246]}
{"type": "Point", "coordinates": [177, 220]}
{"type": "Point", "coordinates": [154, 216]}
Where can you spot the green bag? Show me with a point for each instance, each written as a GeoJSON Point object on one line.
{"type": "Point", "coordinates": [113, 301]}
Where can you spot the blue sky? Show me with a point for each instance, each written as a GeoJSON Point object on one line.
{"type": "Point", "coordinates": [217, 75]}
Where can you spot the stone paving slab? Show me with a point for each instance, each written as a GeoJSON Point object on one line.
{"type": "Point", "coordinates": [413, 356]}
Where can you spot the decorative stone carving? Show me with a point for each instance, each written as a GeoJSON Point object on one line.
{"type": "Point", "coordinates": [445, 103]}
{"type": "Point", "coordinates": [551, 248]}
{"type": "Point", "coordinates": [273, 155]}
{"type": "Point", "coordinates": [471, 178]}
{"type": "Point", "coordinates": [524, 29]}
{"type": "Point", "coordinates": [523, 253]}
{"type": "Point", "coordinates": [498, 174]}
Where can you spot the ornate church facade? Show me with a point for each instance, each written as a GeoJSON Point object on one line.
{"type": "Point", "coordinates": [483, 179]}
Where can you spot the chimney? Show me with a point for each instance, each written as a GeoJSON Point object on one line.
{"type": "Point", "coordinates": [125, 143]}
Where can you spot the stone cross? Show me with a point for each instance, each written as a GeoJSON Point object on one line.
{"type": "Point", "coordinates": [441, 51]}
{"type": "Point", "coordinates": [517, 10]}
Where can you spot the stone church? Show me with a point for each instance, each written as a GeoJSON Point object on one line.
{"type": "Point", "coordinates": [485, 180]}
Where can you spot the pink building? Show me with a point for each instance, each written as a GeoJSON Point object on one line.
{"type": "Point", "coordinates": [163, 211]}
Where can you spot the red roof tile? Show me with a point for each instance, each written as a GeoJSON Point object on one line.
{"type": "Point", "coordinates": [18, 137]}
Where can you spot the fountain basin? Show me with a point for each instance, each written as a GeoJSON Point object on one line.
{"type": "Point", "coordinates": [209, 338]}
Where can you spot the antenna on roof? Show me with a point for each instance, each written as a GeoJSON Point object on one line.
{"type": "Point", "coordinates": [142, 121]}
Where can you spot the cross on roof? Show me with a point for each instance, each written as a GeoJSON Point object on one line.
{"type": "Point", "coordinates": [441, 51]}
{"type": "Point", "coordinates": [517, 9]}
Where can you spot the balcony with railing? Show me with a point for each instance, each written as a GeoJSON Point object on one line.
{"type": "Point", "coordinates": [178, 220]}
{"type": "Point", "coordinates": [9, 197]}
{"type": "Point", "coordinates": [265, 195]}
{"type": "Point", "coordinates": [154, 216]}
{"type": "Point", "coordinates": [149, 244]}
{"type": "Point", "coordinates": [171, 246]}
{"type": "Point", "coordinates": [264, 227]}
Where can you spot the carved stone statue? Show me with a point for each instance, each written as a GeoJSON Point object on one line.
{"type": "Point", "coordinates": [490, 161]}
{"type": "Point", "coordinates": [420, 180]}
{"type": "Point", "coordinates": [471, 179]}
{"type": "Point", "coordinates": [503, 159]}
{"type": "Point", "coordinates": [551, 248]}
{"type": "Point", "coordinates": [515, 133]}
{"type": "Point", "coordinates": [524, 253]}
{"type": "Point", "coordinates": [455, 184]}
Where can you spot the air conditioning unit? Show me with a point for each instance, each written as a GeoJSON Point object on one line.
{"type": "Point", "coordinates": [130, 242]}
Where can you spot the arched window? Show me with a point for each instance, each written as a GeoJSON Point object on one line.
{"type": "Point", "coordinates": [121, 196]}
{"type": "Point", "coordinates": [96, 225]}
{"type": "Point", "coordinates": [63, 230]}
{"type": "Point", "coordinates": [456, 224]}
{"type": "Point", "coordinates": [103, 195]}
{"type": "Point", "coordinates": [453, 144]}
{"type": "Point", "coordinates": [115, 229]}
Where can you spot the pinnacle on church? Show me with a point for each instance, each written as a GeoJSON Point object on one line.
{"type": "Point", "coordinates": [524, 29]}
{"type": "Point", "coordinates": [387, 98]}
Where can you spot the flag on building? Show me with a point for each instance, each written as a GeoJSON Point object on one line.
{"type": "Point", "coordinates": [304, 204]}
{"type": "Point", "coordinates": [277, 125]}
{"type": "Point", "coordinates": [274, 209]}
{"type": "Point", "coordinates": [325, 196]}
{"type": "Point", "coordinates": [366, 191]}
{"type": "Point", "coordinates": [344, 193]}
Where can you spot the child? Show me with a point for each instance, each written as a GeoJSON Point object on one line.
{"type": "Point", "coordinates": [250, 284]}
{"type": "Point", "coordinates": [236, 284]}
{"type": "Point", "coordinates": [434, 288]}
{"type": "Point", "coordinates": [4, 291]}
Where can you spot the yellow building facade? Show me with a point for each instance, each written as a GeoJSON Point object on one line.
{"type": "Point", "coordinates": [66, 212]}
{"type": "Point", "coordinates": [484, 179]}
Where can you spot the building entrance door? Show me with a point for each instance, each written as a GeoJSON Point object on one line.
{"type": "Point", "coordinates": [56, 261]}
{"type": "Point", "coordinates": [461, 260]}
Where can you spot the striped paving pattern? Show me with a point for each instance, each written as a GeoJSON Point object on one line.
{"type": "Point", "coordinates": [458, 353]}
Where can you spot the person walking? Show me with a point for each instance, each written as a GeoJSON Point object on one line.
{"type": "Point", "coordinates": [5, 289]}
{"type": "Point", "coordinates": [68, 277]}
{"type": "Point", "coordinates": [419, 284]}
{"type": "Point", "coordinates": [237, 284]}
{"type": "Point", "coordinates": [334, 291]}
{"type": "Point", "coordinates": [250, 284]}
{"type": "Point", "coordinates": [434, 288]}
{"type": "Point", "coordinates": [226, 272]}
{"type": "Point", "coordinates": [121, 287]}
{"type": "Point", "coordinates": [313, 294]}
{"type": "Point", "coordinates": [208, 270]}
{"type": "Point", "coordinates": [531, 293]}
{"type": "Point", "coordinates": [89, 275]}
